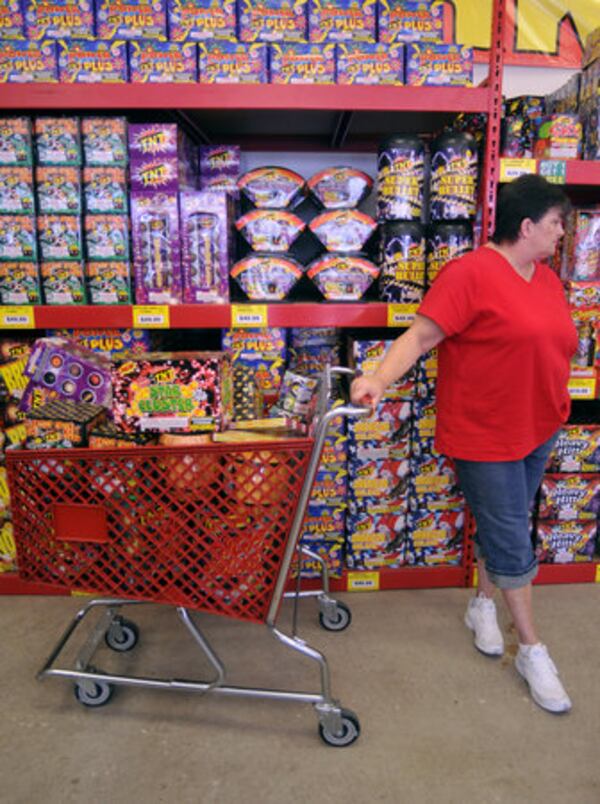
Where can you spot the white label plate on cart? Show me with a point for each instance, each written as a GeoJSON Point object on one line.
{"type": "Point", "coordinates": [17, 317]}
{"type": "Point", "coordinates": [513, 168]}
{"type": "Point", "coordinates": [363, 581]}
{"type": "Point", "coordinates": [401, 315]}
{"type": "Point", "coordinates": [249, 315]}
{"type": "Point", "coordinates": [151, 316]}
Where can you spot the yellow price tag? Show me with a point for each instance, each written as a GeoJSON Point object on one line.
{"type": "Point", "coordinates": [77, 593]}
{"type": "Point", "coordinates": [597, 579]}
{"type": "Point", "coordinates": [17, 317]}
{"type": "Point", "coordinates": [513, 168]}
{"type": "Point", "coordinates": [363, 582]}
{"type": "Point", "coordinates": [475, 577]}
{"type": "Point", "coordinates": [249, 315]}
{"type": "Point", "coordinates": [151, 316]}
{"type": "Point", "coordinates": [582, 387]}
{"type": "Point", "coordinates": [401, 315]}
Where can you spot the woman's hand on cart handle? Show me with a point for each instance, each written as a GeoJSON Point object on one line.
{"type": "Point", "coordinates": [367, 389]}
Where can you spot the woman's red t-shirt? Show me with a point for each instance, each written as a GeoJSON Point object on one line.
{"type": "Point", "coordinates": [504, 363]}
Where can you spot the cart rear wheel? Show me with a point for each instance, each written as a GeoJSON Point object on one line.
{"type": "Point", "coordinates": [349, 733]}
{"type": "Point", "coordinates": [339, 621]}
{"type": "Point", "coordinates": [101, 694]}
{"type": "Point", "coordinates": [122, 636]}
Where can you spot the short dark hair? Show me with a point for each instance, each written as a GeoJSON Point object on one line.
{"type": "Point", "coordinates": [529, 196]}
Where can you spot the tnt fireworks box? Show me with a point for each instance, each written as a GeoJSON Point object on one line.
{"type": "Point", "coordinates": [62, 424]}
{"type": "Point", "coordinates": [162, 158]}
{"type": "Point", "coordinates": [149, 140]}
{"type": "Point", "coordinates": [387, 478]}
{"type": "Point", "coordinates": [429, 64]}
{"type": "Point", "coordinates": [23, 62]}
{"type": "Point", "coordinates": [342, 20]}
{"type": "Point", "coordinates": [59, 238]}
{"type": "Point", "coordinates": [59, 19]}
{"type": "Point", "coordinates": [105, 190]}
{"type": "Point", "coordinates": [196, 20]}
{"type": "Point", "coordinates": [17, 238]}
{"type": "Point", "coordinates": [570, 496]}
{"type": "Point", "coordinates": [63, 282]}
{"type": "Point", "coordinates": [435, 538]}
{"type": "Point", "coordinates": [219, 167]}
{"type": "Point", "coordinates": [172, 391]}
{"type": "Point", "coordinates": [57, 140]}
{"type": "Point", "coordinates": [566, 542]}
{"type": "Point", "coordinates": [108, 282]}
{"type": "Point", "coordinates": [369, 63]}
{"type": "Point", "coordinates": [106, 237]}
{"type": "Point", "coordinates": [12, 21]}
{"type": "Point", "coordinates": [156, 251]}
{"type": "Point", "coordinates": [577, 449]}
{"type": "Point", "coordinates": [16, 190]}
{"type": "Point", "coordinates": [205, 225]}
{"type": "Point", "coordinates": [104, 141]}
{"type": "Point", "coordinates": [16, 141]}
{"type": "Point", "coordinates": [293, 63]}
{"type": "Point", "coordinates": [161, 174]}
{"type": "Point", "coordinates": [366, 355]}
{"type": "Point", "coordinates": [131, 19]}
{"type": "Point", "coordinates": [390, 423]}
{"type": "Point", "coordinates": [19, 283]}
{"type": "Point", "coordinates": [366, 531]}
{"type": "Point", "coordinates": [233, 63]}
{"type": "Point", "coordinates": [92, 62]}
{"type": "Point", "coordinates": [153, 62]}
{"type": "Point", "coordinates": [376, 559]}
{"type": "Point", "coordinates": [58, 190]}
{"type": "Point", "coordinates": [273, 21]}
{"type": "Point", "coordinates": [407, 21]}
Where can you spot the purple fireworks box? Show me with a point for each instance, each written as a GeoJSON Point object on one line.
{"type": "Point", "coordinates": [131, 19]}
{"type": "Point", "coordinates": [233, 63]}
{"type": "Point", "coordinates": [162, 158]}
{"type": "Point", "coordinates": [23, 62]}
{"type": "Point", "coordinates": [342, 20]}
{"type": "Point", "coordinates": [156, 254]}
{"type": "Point", "coordinates": [407, 21]}
{"type": "Point", "coordinates": [205, 246]}
{"type": "Point", "coordinates": [148, 140]}
{"type": "Point", "coordinates": [92, 62]}
{"type": "Point", "coordinates": [59, 19]}
{"type": "Point", "coordinates": [438, 65]}
{"type": "Point", "coordinates": [196, 20]}
{"type": "Point", "coordinates": [153, 62]}
{"type": "Point", "coordinates": [273, 20]}
{"type": "Point", "coordinates": [368, 63]}
{"type": "Point", "coordinates": [12, 21]}
{"type": "Point", "coordinates": [219, 167]}
{"type": "Point", "coordinates": [293, 63]}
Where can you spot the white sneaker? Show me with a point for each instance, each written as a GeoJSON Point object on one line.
{"type": "Point", "coordinates": [481, 619]}
{"type": "Point", "coordinates": [539, 671]}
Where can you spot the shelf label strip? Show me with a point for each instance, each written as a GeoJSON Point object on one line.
{"type": "Point", "coordinates": [401, 315]}
{"type": "Point", "coordinates": [17, 317]}
{"type": "Point", "coordinates": [582, 387]}
{"type": "Point", "coordinates": [151, 316]}
{"type": "Point", "coordinates": [513, 168]}
{"type": "Point", "coordinates": [363, 582]}
{"type": "Point", "coordinates": [249, 315]}
{"type": "Point", "coordinates": [553, 170]}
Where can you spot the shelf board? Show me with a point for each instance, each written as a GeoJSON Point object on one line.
{"type": "Point", "coordinates": [585, 572]}
{"type": "Point", "coordinates": [387, 579]}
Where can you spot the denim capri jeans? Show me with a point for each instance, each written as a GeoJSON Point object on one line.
{"type": "Point", "coordinates": [500, 494]}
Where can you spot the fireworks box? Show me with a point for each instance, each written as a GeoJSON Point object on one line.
{"type": "Point", "coordinates": [59, 19]}
{"type": "Point", "coordinates": [424, 418]}
{"type": "Point", "coordinates": [105, 190]}
{"type": "Point", "coordinates": [104, 141]}
{"type": "Point", "coordinates": [156, 255]}
{"type": "Point", "coordinates": [106, 237]}
{"type": "Point", "coordinates": [12, 22]}
{"type": "Point", "coordinates": [16, 190]}
{"type": "Point", "coordinates": [13, 380]}
{"type": "Point", "coordinates": [580, 251]}
{"type": "Point", "coordinates": [435, 538]}
{"type": "Point", "coordinates": [57, 140]}
{"type": "Point", "coordinates": [63, 282]}
{"type": "Point", "coordinates": [272, 21]}
{"type": "Point", "coordinates": [389, 424]}
{"type": "Point", "coordinates": [58, 190]}
{"type": "Point", "coordinates": [206, 246]}
{"type": "Point", "coordinates": [172, 391]}
{"type": "Point", "coordinates": [366, 357]}
{"type": "Point", "coordinates": [19, 283]}
{"type": "Point", "coordinates": [23, 62]}
{"type": "Point", "coordinates": [374, 559]}
{"type": "Point", "coordinates": [162, 62]}
{"type": "Point", "coordinates": [577, 449]}
{"type": "Point", "coordinates": [151, 140]}
{"type": "Point", "coordinates": [262, 350]}
{"type": "Point", "coordinates": [323, 522]}
{"type": "Point", "coordinates": [566, 542]}
{"type": "Point", "coordinates": [60, 238]}
{"type": "Point", "coordinates": [407, 21]}
{"type": "Point", "coordinates": [108, 436]}
{"type": "Point", "coordinates": [363, 451]}
{"type": "Point", "coordinates": [570, 496]}
{"type": "Point", "coordinates": [375, 479]}
{"type": "Point", "coordinates": [17, 238]}
{"type": "Point", "coordinates": [342, 20]}
{"type": "Point", "coordinates": [366, 531]}
{"type": "Point", "coordinates": [196, 20]}
{"type": "Point", "coordinates": [92, 62]}
{"type": "Point", "coordinates": [293, 63]}
{"type": "Point", "coordinates": [233, 63]}
{"type": "Point", "coordinates": [583, 294]}
{"type": "Point", "coordinates": [558, 137]}
{"type": "Point", "coordinates": [369, 63]}
{"type": "Point", "coordinates": [16, 141]}
{"type": "Point", "coordinates": [62, 424]}
{"type": "Point", "coordinates": [331, 552]}
{"type": "Point", "coordinates": [219, 167]}
{"type": "Point", "coordinates": [108, 282]}
{"type": "Point", "coordinates": [14, 348]}
{"type": "Point", "coordinates": [330, 487]}
{"type": "Point", "coordinates": [110, 342]}
{"type": "Point", "coordinates": [131, 19]}
{"type": "Point", "coordinates": [438, 65]}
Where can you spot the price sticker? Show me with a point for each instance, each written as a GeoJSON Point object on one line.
{"type": "Point", "coordinates": [553, 170]}
{"type": "Point", "coordinates": [582, 387]}
{"type": "Point", "coordinates": [363, 582]}
{"type": "Point", "coordinates": [249, 315]}
{"type": "Point", "coordinates": [151, 316]}
{"type": "Point", "coordinates": [475, 580]}
{"type": "Point", "coordinates": [513, 168]}
{"type": "Point", "coordinates": [401, 315]}
{"type": "Point", "coordinates": [597, 579]}
{"type": "Point", "coordinates": [17, 318]}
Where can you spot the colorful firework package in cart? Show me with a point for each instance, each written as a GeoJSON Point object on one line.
{"type": "Point", "coordinates": [61, 424]}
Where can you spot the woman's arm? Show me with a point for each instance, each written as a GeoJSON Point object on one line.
{"type": "Point", "coordinates": [422, 336]}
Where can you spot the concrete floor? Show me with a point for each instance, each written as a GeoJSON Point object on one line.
{"type": "Point", "coordinates": [440, 722]}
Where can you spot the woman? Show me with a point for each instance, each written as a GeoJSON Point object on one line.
{"type": "Point", "coordinates": [505, 338]}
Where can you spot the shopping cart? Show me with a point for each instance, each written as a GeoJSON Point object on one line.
{"type": "Point", "coordinates": [213, 529]}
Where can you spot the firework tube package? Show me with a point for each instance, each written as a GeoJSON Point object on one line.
{"type": "Point", "coordinates": [108, 282]}
{"type": "Point", "coordinates": [12, 21]}
{"type": "Point", "coordinates": [57, 140]}
{"type": "Point", "coordinates": [16, 141]}
{"type": "Point", "coordinates": [16, 190]}
{"type": "Point", "coordinates": [344, 230]}
{"type": "Point", "coordinates": [266, 277]}
{"type": "Point", "coordinates": [272, 187]}
{"type": "Point", "coordinates": [156, 254]}
{"type": "Point", "coordinates": [577, 449]}
{"type": "Point", "coordinates": [131, 19]}
{"type": "Point", "coordinates": [446, 241]}
{"type": "Point", "coordinates": [62, 424]}
{"type": "Point", "coordinates": [173, 391]}
{"type": "Point", "coordinates": [342, 20]}
{"type": "Point", "coordinates": [233, 63]}
{"type": "Point", "coordinates": [19, 283]}
{"type": "Point", "coordinates": [219, 167]}
{"type": "Point", "coordinates": [570, 496]}
{"type": "Point", "coordinates": [453, 178]}
{"type": "Point", "coordinates": [58, 190]}
{"type": "Point", "coordinates": [369, 63]}
{"type": "Point", "coordinates": [272, 230]}
{"type": "Point", "coordinates": [205, 246]}
{"type": "Point", "coordinates": [104, 141]}
{"type": "Point", "coordinates": [566, 542]}
{"type": "Point", "coordinates": [59, 238]}
{"type": "Point", "coordinates": [342, 277]}
{"type": "Point", "coordinates": [402, 261]}
{"type": "Point", "coordinates": [407, 21]}
{"type": "Point", "coordinates": [293, 63]}
{"type": "Point", "coordinates": [26, 62]}
{"type": "Point", "coordinates": [272, 20]}
{"type": "Point", "coordinates": [152, 62]}
{"type": "Point", "coordinates": [340, 187]}
{"type": "Point", "coordinates": [63, 282]}
{"type": "Point", "coordinates": [438, 65]}
{"type": "Point", "coordinates": [400, 178]}
{"type": "Point", "coordinates": [92, 62]}
{"type": "Point", "coordinates": [197, 20]}
{"type": "Point", "coordinates": [105, 190]}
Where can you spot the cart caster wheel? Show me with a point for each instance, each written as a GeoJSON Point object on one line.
{"type": "Point", "coordinates": [123, 637]}
{"type": "Point", "coordinates": [101, 695]}
{"type": "Point", "coordinates": [350, 731]}
{"type": "Point", "coordinates": [339, 622]}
